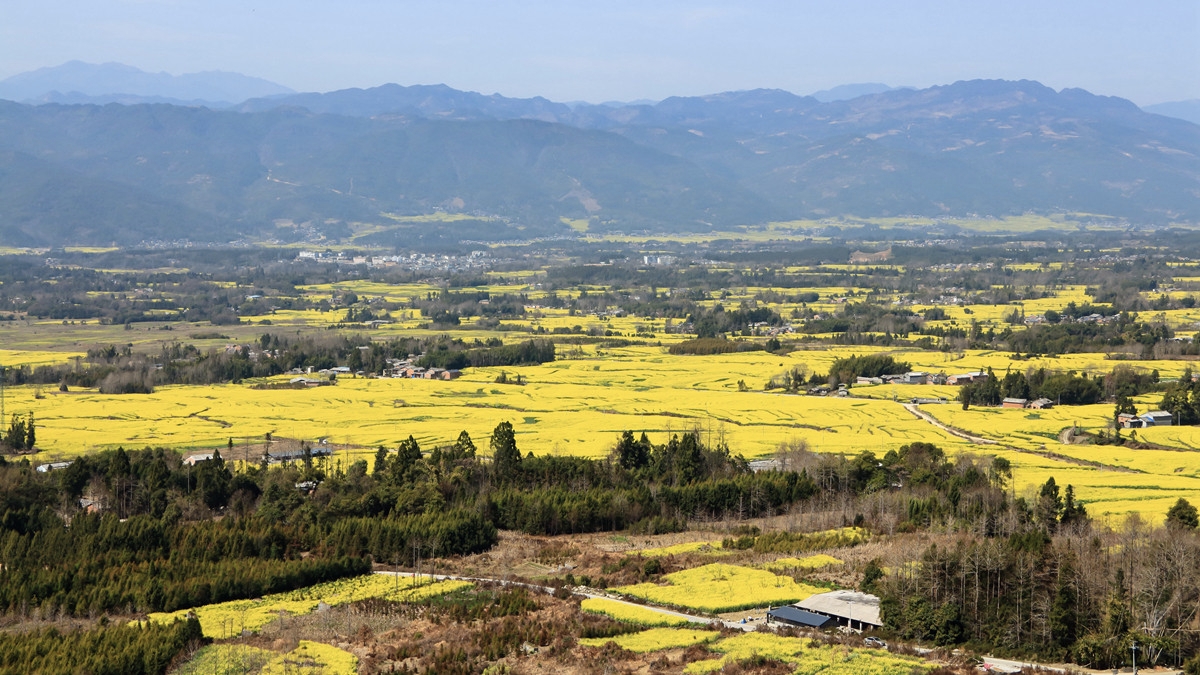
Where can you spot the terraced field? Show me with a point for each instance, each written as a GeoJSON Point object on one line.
{"type": "Point", "coordinates": [227, 619]}
{"type": "Point", "coordinates": [718, 588]}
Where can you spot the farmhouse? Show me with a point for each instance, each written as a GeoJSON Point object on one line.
{"type": "Point", "coordinates": [967, 378]}
{"type": "Point", "coordinates": [1130, 421]}
{"type": "Point", "coordinates": [857, 611]}
{"type": "Point", "coordinates": [52, 466]}
{"type": "Point", "coordinates": [191, 460]}
{"type": "Point", "coordinates": [278, 456]}
{"type": "Point", "coordinates": [1042, 404]}
{"type": "Point", "coordinates": [307, 381]}
{"type": "Point", "coordinates": [794, 616]}
{"type": "Point", "coordinates": [1158, 418]}
{"type": "Point", "coordinates": [915, 377]}
{"type": "Point", "coordinates": [1014, 403]}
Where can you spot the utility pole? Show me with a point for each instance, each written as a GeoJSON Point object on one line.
{"type": "Point", "coordinates": [1133, 649]}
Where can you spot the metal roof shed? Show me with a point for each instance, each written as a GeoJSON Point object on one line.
{"type": "Point", "coordinates": [795, 616]}
{"type": "Point", "coordinates": [859, 611]}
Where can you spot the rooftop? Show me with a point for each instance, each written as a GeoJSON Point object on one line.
{"type": "Point", "coordinates": [861, 607]}
{"type": "Point", "coordinates": [799, 617]}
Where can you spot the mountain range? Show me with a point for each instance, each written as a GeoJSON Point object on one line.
{"type": "Point", "coordinates": [353, 163]}
{"type": "Point", "coordinates": [78, 82]}
{"type": "Point", "coordinates": [1184, 110]}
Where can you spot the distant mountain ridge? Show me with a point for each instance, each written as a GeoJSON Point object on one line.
{"type": "Point", "coordinates": [1184, 110]}
{"type": "Point", "coordinates": [79, 82]}
{"type": "Point", "coordinates": [845, 92]}
{"type": "Point", "coordinates": [353, 159]}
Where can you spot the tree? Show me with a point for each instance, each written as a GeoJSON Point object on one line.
{"type": "Point", "coordinates": [1049, 505]}
{"type": "Point", "coordinates": [872, 574]}
{"type": "Point", "coordinates": [213, 481]}
{"type": "Point", "coordinates": [1183, 515]}
{"type": "Point", "coordinates": [15, 438]}
{"type": "Point", "coordinates": [381, 460]}
{"type": "Point", "coordinates": [1064, 613]}
{"type": "Point", "coordinates": [1072, 512]}
{"type": "Point", "coordinates": [1124, 406]}
{"type": "Point", "coordinates": [1001, 471]}
{"type": "Point", "coordinates": [631, 454]}
{"type": "Point", "coordinates": [689, 460]}
{"type": "Point", "coordinates": [30, 435]}
{"type": "Point", "coordinates": [407, 455]}
{"type": "Point", "coordinates": [506, 458]}
{"type": "Point", "coordinates": [464, 447]}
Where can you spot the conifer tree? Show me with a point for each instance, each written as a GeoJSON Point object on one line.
{"type": "Point", "coordinates": [506, 458]}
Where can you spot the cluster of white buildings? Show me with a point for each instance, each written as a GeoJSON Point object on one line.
{"type": "Point", "coordinates": [476, 260]}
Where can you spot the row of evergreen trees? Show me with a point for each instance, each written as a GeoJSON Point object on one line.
{"type": "Point", "coordinates": [21, 434]}
{"type": "Point", "coordinates": [139, 649]}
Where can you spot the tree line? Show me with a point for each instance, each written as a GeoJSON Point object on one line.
{"type": "Point", "coordinates": [140, 649]}
{"type": "Point", "coordinates": [122, 371]}
{"type": "Point", "coordinates": [1058, 589]}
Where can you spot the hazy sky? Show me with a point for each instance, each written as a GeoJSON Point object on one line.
{"type": "Point", "coordinates": [1144, 50]}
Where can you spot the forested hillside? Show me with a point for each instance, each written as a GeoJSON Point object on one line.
{"type": "Point", "coordinates": [980, 148]}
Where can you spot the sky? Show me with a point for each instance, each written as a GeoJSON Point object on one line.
{"type": "Point", "coordinates": [1145, 50]}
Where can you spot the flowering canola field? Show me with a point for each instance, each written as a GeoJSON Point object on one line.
{"type": "Point", "coordinates": [718, 588]}
{"type": "Point", "coordinates": [579, 404]}
{"type": "Point", "coordinates": [313, 657]}
{"type": "Point", "coordinates": [225, 619]}
{"type": "Point", "coordinates": [654, 639]}
{"type": "Point", "coordinates": [622, 611]}
{"type": "Point", "coordinates": [704, 547]}
{"type": "Point", "coordinates": [812, 562]}
{"type": "Point", "coordinates": [822, 660]}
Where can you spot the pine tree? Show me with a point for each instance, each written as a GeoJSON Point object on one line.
{"type": "Point", "coordinates": [631, 454]}
{"type": "Point", "coordinates": [407, 455]}
{"type": "Point", "coordinates": [1064, 613]}
{"type": "Point", "coordinates": [506, 458]}
{"type": "Point", "coordinates": [30, 435]}
{"type": "Point", "coordinates": [1183, 515]}
{"type": "Point", "coordinates": [1049, 506]}
{"type": "Point", "coordinates": [464, 447]}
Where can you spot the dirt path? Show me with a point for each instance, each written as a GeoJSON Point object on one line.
{"type": "Point", "coordinates": [915, 409]}
{"type": "Point", "coordinates": [921, 414]}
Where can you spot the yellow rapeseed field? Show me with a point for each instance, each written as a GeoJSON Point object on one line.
{"type": "Point", "coordinates": [809, 660]}
{"type": "Point", "coordinates": [313, 657]}
{"type": "Point", "coordinates": [623, 611]}
{"type": "Point", "coordinates": [227, 659]}
{"type": "Point", "coordinates": [14, 358]}
{"type": "Point", "coordinates": [225, 619]}
{"type": "Point", "coordinates": [655, 639]}
{"type": "Point", "coordinates": [706, 547]}
{"type": "Point", "coordinates": [812, 562]}
{"type": "Point", "coordinates": [575, 406]}
{"type": "Point", "coordinates": [718, 588]}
